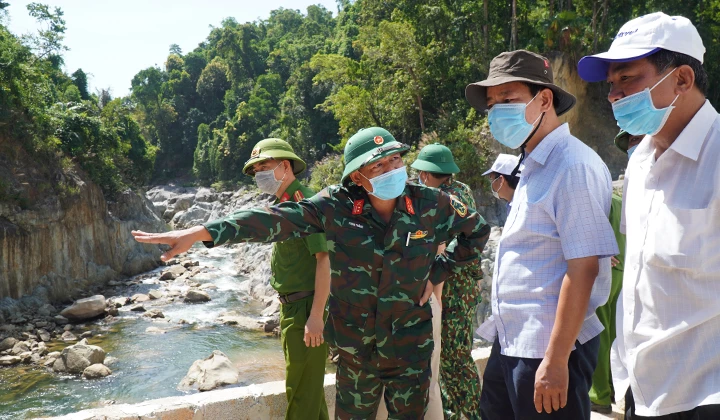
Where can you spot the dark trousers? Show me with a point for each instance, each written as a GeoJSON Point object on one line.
{"type": "Point", "coordinates": [704, 412]}
{"type": "Point", "coordinates": [509, 385]}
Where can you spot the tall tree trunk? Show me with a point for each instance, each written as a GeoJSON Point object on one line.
{"type": "Point", "coordinates": [486, 38]}
{"type": "Point", "coordinates": [513, 26]}
{"type": "Point", "coordinates": [418, 98]}
{"type": "Point", "coordinates": [603, 28]}
{"type": "Point", "coordinates": [594, 25]}
{"type": "Point", "coordinates": [551, 8]}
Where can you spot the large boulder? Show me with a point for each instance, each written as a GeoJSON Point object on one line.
{"type": "Point", "coordinates": [9, 360]}
{"type": "Point", "coordinates": [8, 343]}
{"type": "Point", "coordinates": [215, 371]}
{"type": "Point", "coordinates": [196, 296]}
{"type": "Point", "coordinates": [87, 308]}
{"type": "Point", "coordinates": [75, 359]}
{"type": "Point", "coordinates": [96, 371]}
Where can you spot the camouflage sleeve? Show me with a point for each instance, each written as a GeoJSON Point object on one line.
{"type": "Point", "coordinates": [270, 224]}
{"type": "Point", "coordinates": [471, 233]}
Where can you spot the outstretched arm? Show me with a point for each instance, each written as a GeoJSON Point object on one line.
{"type": "Point", "coordinates": [270, 224]}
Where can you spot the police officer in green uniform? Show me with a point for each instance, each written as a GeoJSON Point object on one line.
{"type": "Point", "coordinates": [459, 379]}
{"type": "Point", "coordinates": [301, 275]}
{"type": "Point", "coordinates": [382, 235]}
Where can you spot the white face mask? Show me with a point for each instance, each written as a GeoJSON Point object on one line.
{"type": "Point", "coordinates": [266, 181]}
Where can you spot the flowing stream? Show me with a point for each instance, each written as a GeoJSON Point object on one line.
{"type": "Point", "coordinates": [151, 365]}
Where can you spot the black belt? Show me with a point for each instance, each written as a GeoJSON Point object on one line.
{"type": "Point", "coordinates": [294, 297]}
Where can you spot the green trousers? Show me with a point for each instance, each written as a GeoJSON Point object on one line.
{"type": "Point", "coordinates": [304, 366]}
{"type": "Point", "coordinates": [601, 391]}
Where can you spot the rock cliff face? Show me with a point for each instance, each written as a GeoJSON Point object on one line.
{"type": "Point", "coordinates": [58, 249]}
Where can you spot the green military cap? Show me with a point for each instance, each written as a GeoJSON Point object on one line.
{"type": "Point", "coordinates": [437, 159]}
{"type": "Point", "coordinates": [622, 140]}
{"type": "Point", "coordinates": [367, 146]}
{"type": "Point", "coordinates": [273, 149]}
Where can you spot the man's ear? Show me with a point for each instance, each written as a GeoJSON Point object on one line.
{"type": "Point", "coordinates": [685, 79]}
{"type": "Point", "coordinates": [547, 96]}
{"type": "Point", "coordinates": [355, 177]}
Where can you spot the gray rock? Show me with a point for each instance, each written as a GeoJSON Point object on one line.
{"type": "Point", "coordinates": [196, 296]}
{"type": "Point", "coordinates": [87, 308]}
{"type": "Point", "coordinates": [138, 308]}
{"type": "Point", "coordinates": [58, 365]}
{"type": "Point", "coordinates": [118, 302]}
{"type": "Point", "coordinates": [43, 335]}
{"type": "Point", "coordinates": [96, 371]}
{"type": "Point", "coordinates": [155, 294]}
{"type": "Point", "coordinates": [8, 343]}
{"type": "Point", "coordinates": [26, 357]}
{"type": "Point", "coordinates": [41, 349]}
{"type": "Point", "coordinates": [9, 360]}
{"type": "Point", "coordinates": [273, 308]}
{"type": "Point", "coordinates": [87, 334]}
{"type": "Point", "coordinates": [139, 298]}
{"type": "Point", "coordinates": [20, 347]}
{"type": "Point", "coordinates": [215, 371]}
{"type": "Point", "coordinates": [60, 320]}
{"type": "Point", "coordinates": [155, 330]}
{"type": "Point", "coordinates": [78, 357]}
{"type": "Point", "coordinates": [173, 272]}
{"type": "Point", "coordinates": [68, 336]}
{"type": "Point", "coordinates": [47, 310]}
{"type": "Point", "coordinates": [154, 313]}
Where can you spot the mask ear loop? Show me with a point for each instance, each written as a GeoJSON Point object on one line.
{"type": "Point", "coordinates": [522, 148]}
{"type": "Point", "coordinates": [502, 179]}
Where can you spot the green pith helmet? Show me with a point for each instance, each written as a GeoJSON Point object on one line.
{"type": "Point", "coordinates": [437, 159]}
{"type": "Point", "coordinates": [367, 146]}
{"type": "Point", "coordinates": [622, 140]}
{"type": "Point", "coordinates": [273, 149]}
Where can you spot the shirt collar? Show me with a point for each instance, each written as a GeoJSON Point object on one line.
{"type": "Point", "coordinates": [693, 136]}
{"type": "Point", "coordinates": [546, 145]}
{"type": "Point", "coordinates": [290, 190]}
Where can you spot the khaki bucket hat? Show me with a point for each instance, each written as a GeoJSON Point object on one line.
{"type": "Point", "coordinates": [518, 66]}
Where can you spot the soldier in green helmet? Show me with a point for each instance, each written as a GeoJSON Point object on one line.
{"type": "Point", "coordinates": [301, 275]}
{"type": "Point", "coordinates": [382, 236]}
{"type": "Point", "coordinates": [459, 380]}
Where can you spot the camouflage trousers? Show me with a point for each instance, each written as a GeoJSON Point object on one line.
{"type": "Point", "coordinates": [459, 378]}
{"type": "Point", "coordinates": [359, 385]}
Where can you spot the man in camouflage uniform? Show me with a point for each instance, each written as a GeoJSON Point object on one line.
{"type": "Point", "coordinates": [382, 237]}
{"type": "Point", "coordinates": [301, 275]}
{"type": "Point", "coordinates": [459, 380]}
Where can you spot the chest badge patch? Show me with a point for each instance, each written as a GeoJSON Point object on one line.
{"type": "Point", "coordinates": [358, 207]}
{"type": "Point", "coordinates": [419, 234]}
{"type": "Point", "coordinates": [460, 208]}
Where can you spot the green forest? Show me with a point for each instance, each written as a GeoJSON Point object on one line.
{"type": "Point", "coordinates": [311, 77]}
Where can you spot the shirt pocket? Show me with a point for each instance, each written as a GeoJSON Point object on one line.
{"type": "Point", "coordinates": [349, 328]}
{"type": "Point", "coordinates": [686, 239]}
{"type": "Point", "coordinates": [412, 334]}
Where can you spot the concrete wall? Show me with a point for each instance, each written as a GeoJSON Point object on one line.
{"type": "Point", "coordinates": [254, 402]}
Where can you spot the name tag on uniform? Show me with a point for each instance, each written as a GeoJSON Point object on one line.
{"type": "Point", "coordinates": [355, 225]}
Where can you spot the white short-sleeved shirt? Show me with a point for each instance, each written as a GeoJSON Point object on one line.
{"type": "Point", "coordinates": [559, 212]}
{"type": "Point", "coordinates": [669, 310]}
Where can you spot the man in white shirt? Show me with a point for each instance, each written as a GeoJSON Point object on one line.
{"type": "Point", "coordinates": [669, 309]}
{"type": "Point", "coordinates": [553, 261]}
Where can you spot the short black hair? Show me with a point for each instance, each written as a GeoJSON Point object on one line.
{"type": "Point", "coordinates": [512, 181]}
{"type": "Point", "coordinates": [664, 59]}
{"type": "Point", "coordinates": [535, 89]}
{"type": "Point", "coordinates": [444, 177]}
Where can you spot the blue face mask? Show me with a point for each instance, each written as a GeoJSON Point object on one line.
{"type": "Point", "coordinates": [508, 124]}
{"type": "Point", "coordinates": [389, 185]}
{"type": "Point", "coordinates": [637, 114]}
{"type": "Point", "coordinates": [631, 150]}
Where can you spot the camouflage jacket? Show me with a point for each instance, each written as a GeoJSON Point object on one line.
{"type": "Point", "coordinates": [379, 270]}
{"type": "Point", "coordinates": [462, 290]}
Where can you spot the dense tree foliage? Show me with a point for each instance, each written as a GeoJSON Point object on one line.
{"type": "Point", "coordinates": [312, 78]}
{"type": "Point", "coordinates": [58, 121]}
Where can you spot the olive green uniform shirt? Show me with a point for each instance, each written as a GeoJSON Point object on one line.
{"type": "Point", "coordinates": [293, 260]}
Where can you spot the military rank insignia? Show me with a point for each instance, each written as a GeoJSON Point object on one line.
{"type": "Point", "coordinates": [409, 205]}
{"type": "Point", "coordinates": [460, 208]}
{"type": "Point", "coordinates": [298, 195]}
{"type": "Point", "coordinates": [419, 234]}
{"type": "Point", "coordinates": [358, 207]}
{"type": "Point", "coordinates": [285, 197]}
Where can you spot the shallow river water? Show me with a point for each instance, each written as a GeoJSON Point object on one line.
{"type": "Point", "coordinates": [151, 365]}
